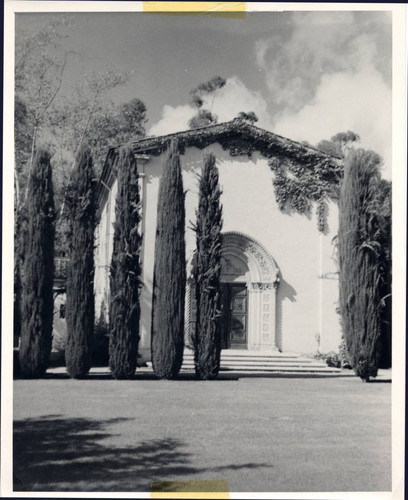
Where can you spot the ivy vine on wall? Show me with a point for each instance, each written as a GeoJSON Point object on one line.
{"type": "Point", "coordinates": [297, 187]}
{"type": "Point", "coordinates": [303, 175]}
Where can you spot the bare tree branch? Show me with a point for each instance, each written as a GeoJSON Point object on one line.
{"type": "Point", "coordinates": [58, 86]}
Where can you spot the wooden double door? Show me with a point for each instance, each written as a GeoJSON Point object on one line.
{"type": "Point", "coordinates": [234, 315]}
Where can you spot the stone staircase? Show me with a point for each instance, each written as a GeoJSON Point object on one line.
{"type": "Point", "coordinates": [234, 360]}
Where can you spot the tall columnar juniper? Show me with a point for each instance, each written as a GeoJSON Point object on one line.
{"type": "Point", "coordinates": [207, 272]}
{"type": "Point", "coordinates": [124, 307]}
{"type": "Point", "coordinates": [80, 307]}
{"type": "Point", "coordinates": [169, 277]}
{"type": "Point", "coordinates": [360, 261]}
{"type": "Point", "coordinates": [38, 270]}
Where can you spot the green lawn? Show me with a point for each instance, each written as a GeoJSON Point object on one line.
{"type": "Point", "coordinates": [282, 433]}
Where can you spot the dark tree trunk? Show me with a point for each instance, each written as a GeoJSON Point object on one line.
{"type": "Point", "coordinates": [124, 312]}
{"type": "Point", "coordinates": [37, 291]}
{"type": "Point", "coordinates": [169, 281]}
{"type": "Point", "coordinates": [207, 272]}
{"type": "Point", "coordinates": [80, 307]}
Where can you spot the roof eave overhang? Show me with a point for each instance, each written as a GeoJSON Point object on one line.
{"type": "Point", "coordinates": [271, 145]}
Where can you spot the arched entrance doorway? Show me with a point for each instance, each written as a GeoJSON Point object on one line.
{"type": "Point", "coordinates": [249, 279]}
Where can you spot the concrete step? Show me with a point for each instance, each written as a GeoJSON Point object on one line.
{"type": "Point", "coordinates": [263, 365]}
{"type": "Point", "coordinates": [272, 368]}
{"type": "Point", "coordinates": [281, 369]}
{"type": "Point", "coordinates": [247, 361]}
{"type": "Point", "coordinates": [258, 361]}
{"type": "Point", "coordinates": [240, 353]}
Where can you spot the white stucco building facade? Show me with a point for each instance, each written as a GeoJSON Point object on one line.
{"type": "Point", "coordinates": [279, 274]}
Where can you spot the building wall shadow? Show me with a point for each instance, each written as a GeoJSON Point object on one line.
{"type": "Point", "coordinates": [285, 292]}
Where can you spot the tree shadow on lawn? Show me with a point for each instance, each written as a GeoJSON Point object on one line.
{"type": "Point", "coordinates": [56, 454]}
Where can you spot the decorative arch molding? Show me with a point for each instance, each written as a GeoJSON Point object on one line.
{"type": "Point", "coordinates": [262, 267]}
{"type": "Point", "coordinates": [244, 259]}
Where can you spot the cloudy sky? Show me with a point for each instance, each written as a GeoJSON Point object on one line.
{"type": "Point", "coordinates": [307, 75]}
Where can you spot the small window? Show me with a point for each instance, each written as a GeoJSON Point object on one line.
{"type": "Point", "coordinates": [62, 311]}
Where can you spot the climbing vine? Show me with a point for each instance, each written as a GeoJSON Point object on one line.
{"type": "Point", "coordinates": [297, 187]}
{"type": "Point", "coordinates": [321, 212]}
{"type": "Point", "coordinates": [303, 175]}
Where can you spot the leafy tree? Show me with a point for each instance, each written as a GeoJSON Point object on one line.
{"type": "Point", "coordinates": [39, 70]}
{"type": "Point", "coordinates": [124, 313]}
{"type": "Point", "coordinates": [169, 277]}
{"type": "Point", "coordinates": [359, 249]}
{"type": "Point", "coordinates": [97, 121]}
{"type": "Point", "coordinates": [339, 144]}
{"type": "Point", "coordinates": [80, 307]}
{"type": "Point", "coordinates": [132, 118]}
{"type": "Point", "coordinates": [210, 86]}
{"type": "Point", "coordinates": [384, 212]}
{"type": "Point", "coordinates": [198, 95]}
{"type": "Point", "coordinates": [207, 272]}
{"type": "Point", "coordinates": [248, 117]}
{"type": "Point", "coordinates": [44, 111]}
{"type": "Point", "coordinates": [37, 299]}
{"type": "Point", "coordinates": [20, 221]}
{"type": "Point", "coordinates": [202, 119]}
{"type": "Point", "coordinates": [100, 355]}
{"type": "Point", "coordinates": [87, 114]}
{"type": "Point", "coordinates": [17, 296]}
{"type": "Point", "coordinates": [91, 115]}
{"type": "Point", "coordinates": [22, 139]}
{"type": "Point", "coordinates": [204, 95]}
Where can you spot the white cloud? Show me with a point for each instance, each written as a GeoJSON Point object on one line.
{"type": "Point", "coordinates": [330, 75]}
{"type": "Point", "coordinates": [360, 102]}
{"type": "Point", "coordinates": [235, 97]}
{"type": "Point", "coordinates": [318, 44]}
{"type": "Point", "coordinates": [172, 120]}
{"type": "Point", "coordinates": [228, 102]}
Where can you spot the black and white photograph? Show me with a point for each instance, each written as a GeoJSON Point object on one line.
{"type": "Point", "coordinates": [199, 212]}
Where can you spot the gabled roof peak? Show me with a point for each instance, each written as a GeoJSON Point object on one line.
{"type": "Point", "coordinates": [236, 127]}
{"type": "Point", "coordinates": [237, 136]}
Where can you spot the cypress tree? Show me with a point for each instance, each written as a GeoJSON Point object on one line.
{"type": "Point", "coordinates": [207, 272]}
{"type": "Point", "coordinates": [38, 270]}
{"type": "Point", "coordinates": [80, 307]}
{"type": "Point", "coordinates": [17, 282]}
{"type": "Point", "coordinates": [385, 217]}
{"type": "Point", "coordinates": [360, 262]}
{"type": "Point", "coordinates": [17, 315]}
{"type": "Point", "coordinates": [124, 312]}
{"type": "Point", "coordinates": [169, 277]}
